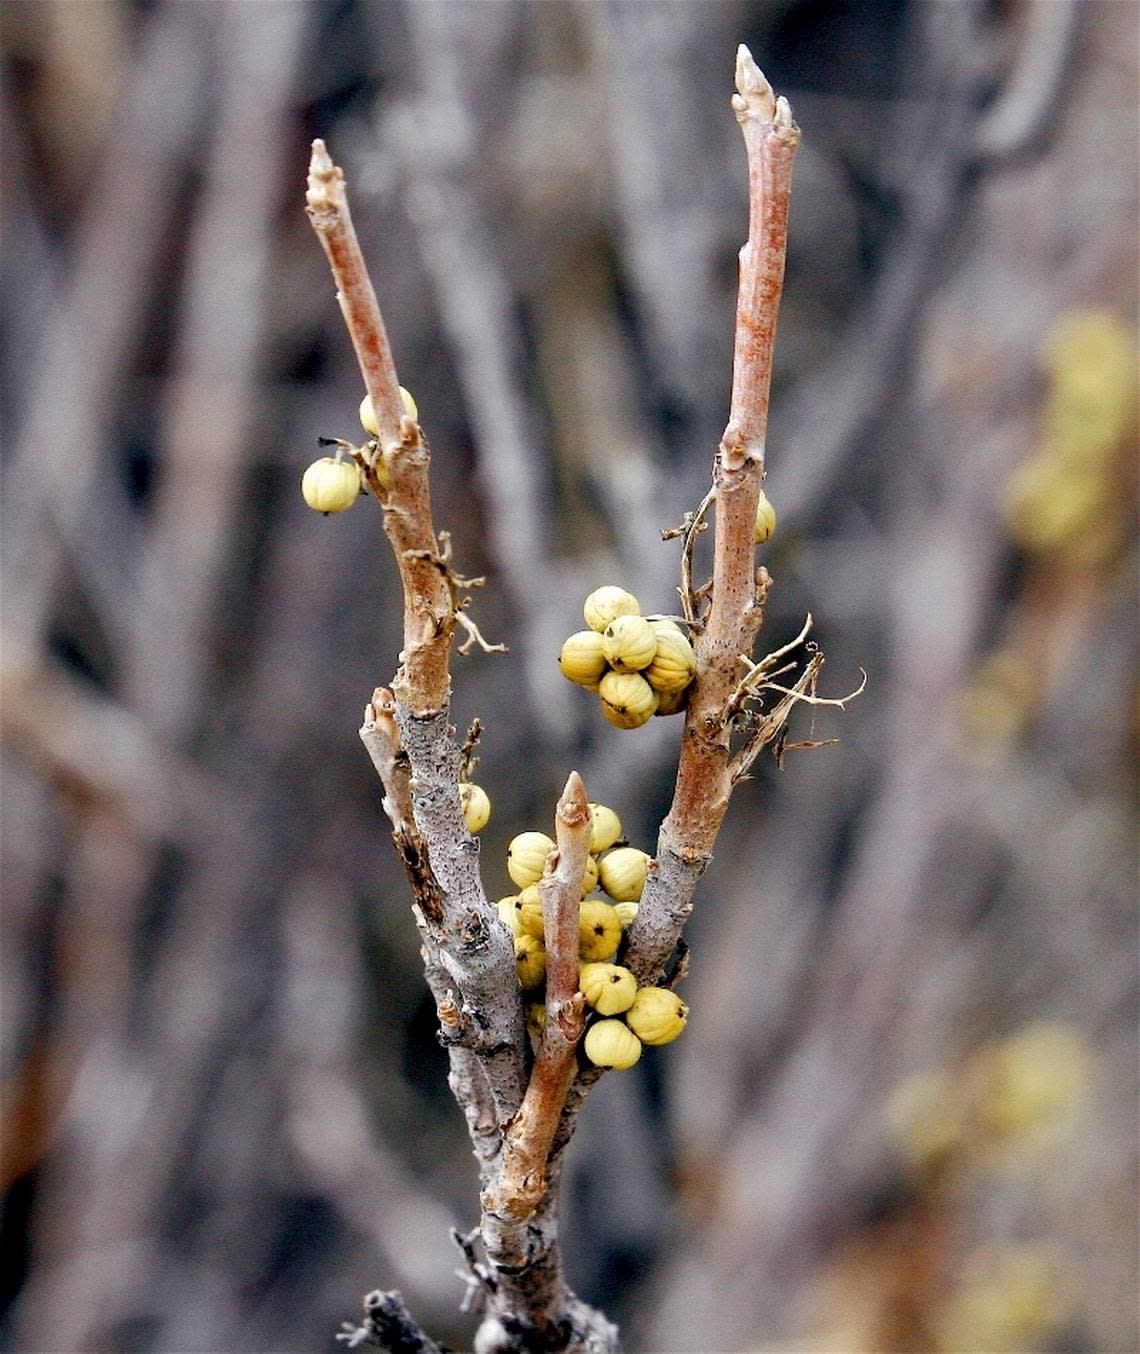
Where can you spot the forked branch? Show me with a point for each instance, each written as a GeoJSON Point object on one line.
{"type": "Point", "coordinates": [521, 1123]}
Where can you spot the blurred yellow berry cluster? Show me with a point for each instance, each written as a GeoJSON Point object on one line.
{"type": "Point", "coordinates": [1011, 1097]}
{"type": "Point", "coordinates": [639, 667]}
{"type": "Point", "coordinates": [1008, 1298]}
{"type": "Point", "coordinates": [1069, 500]}
{"type": "Point", "coordinates": [624, 1015]}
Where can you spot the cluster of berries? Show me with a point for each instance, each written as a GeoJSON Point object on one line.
{"type": "Point", "coordinates": [333, 483]}
{"type": "Point", "coordinates": [648, 1015]}
{"type": "Point", "coordinates": [639, 667]}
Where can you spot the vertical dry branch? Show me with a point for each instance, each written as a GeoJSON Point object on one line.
{"type": "Point", "coordinates": [423, 683]}
{"type": "Point", "coordinates": [519, 1223]}
{"type": "Point", "coordinates": [522, 1179]}
{"type": "Point", "coordinates": [408, 735]}
{"type": "Point", "coordinates": [704, 777]}
{"type": "Point", "coordinates": [328, 211]}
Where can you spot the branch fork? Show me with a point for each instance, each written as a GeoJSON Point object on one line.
{"type": "Point", "coordinates": [521, 1118]}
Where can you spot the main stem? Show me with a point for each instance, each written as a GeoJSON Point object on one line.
{"type": "Point", "coordinates": [521, 1126]}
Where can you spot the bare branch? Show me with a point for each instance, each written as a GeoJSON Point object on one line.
{"type": "Point", "coordinates": [472, 948]}
{"type": "Point", "coordinates": [704, 780]}
{"type": "Point", "coordinates": [526, 1146]}
{"type": "Point", "coordinates": [429, 601]}
{"type": "Point", "coordinates": [771, 138]}
{"type": "Point", "coordinates": [328, 211]}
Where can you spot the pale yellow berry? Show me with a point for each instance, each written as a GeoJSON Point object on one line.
{"type": "Point", "coordinates": [530, 960]}
{"type": "Point", "coordinates": [612, 1045]}
{"type": "Point", "coordinates": [765, 519]}
{"type": "Point", "coordinates": [599, 931]}
{"type": "Point", "coordinates": [330, 485]}
{"type": "Point", "coordinates": [476, 806]}
{"type": "Point", "coordinates": [629, 643]}
{"type": "Point", "coordinates": [508, 911]}
{"type": "Point", "coordinates": [657, 1016]}
{"type": "Point", "coordinates": [589, 876]}
{"type": "Point", "coordinates": [609, 988]}
{"type": "Point", "coordinates": [674, 663]}
{"type": "Point", "coordinates": [628, 701]}
{"type": "Point", "coordinates": [603, 604]}
{"type": "Point", "coordinates": [623, 873]}
{"type": "Point", "coordinates": [673, 702]}
{"type": "Point", "coordinates": [605, 828]}
{"type": "Point", "coordinates": [368, 414]}
{"type": "Point", "coordinates": [582, 659]}
{"type": "Point", "coordinates": [536, 1018]}
{"type": "Point", "coordinates": [530, 912]}
{"type": "Point", "coordinates": [526, 857]}
{"type": "Point", "coordinates": [626, 913]}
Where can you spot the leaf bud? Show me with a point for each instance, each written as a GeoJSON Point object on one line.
{"type": "Point", "coordinates": [599, 931]}
{"type": "Point", "coordinates": [612, 1045]}
{"type": "Point", "coordinates": [476, 806]}
{"type": "Point", "coordinates": [623, 873]}
{"type": "Point", "coordinates": [657, 1016]}
{"type": "Point", "coordinates": [765, 519]}
{"type": "Point", "coordinates": [674, 662]}
{"type": "Point", "coordinates": [368, 414]}
{"type": "Point", "coordinates": [609, 988]}
{"type": "Point", "coordinates": [605, 828]}
{"type": "Point", "coordinates": [628, 701]}
{"type": "Point", "coordinates": [603, 604]}
{"type": "Point", "coordinates": [530, 960]}
{"type": "Point", "coordinates": [330, 485]}
{"type": "Point", "coordinates": [582, 659]}
{"type": "Point", "coordinates": [526, 857]}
